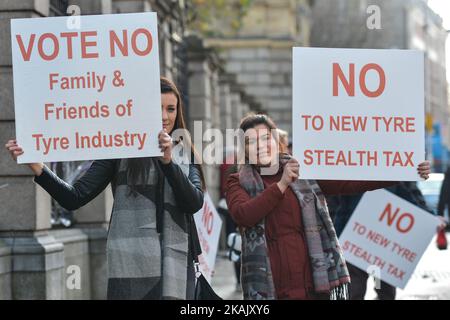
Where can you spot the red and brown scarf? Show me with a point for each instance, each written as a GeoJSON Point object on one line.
{"type": "Point", "coordinates": [330, 274]}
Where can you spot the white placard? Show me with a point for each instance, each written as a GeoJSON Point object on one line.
{"type": "Point", "coordinates": [209, 225]}
{"type": "Point", "coordinates": [358, 114]}
{"type": "Point", "coordinates": [86, 93]}
{"type": "Point", "coordinates": [387, 236]}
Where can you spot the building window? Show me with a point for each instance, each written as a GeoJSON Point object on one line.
{"type": "Point", "coordinates": [68, 171]}
{"type": "Point", "coordinates": [58, 7]}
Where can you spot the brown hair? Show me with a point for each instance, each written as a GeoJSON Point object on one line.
{"type": "Point", "coordinates": [138, 167]}
{"type": "Point", "coordinates": [251, 120]}
{"type": "Point", "coordinates": [283, 141]}
{"type": "Point", "coordinates": [168, 86]}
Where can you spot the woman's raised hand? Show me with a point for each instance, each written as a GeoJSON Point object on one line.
{"type": "Point", "coordinates": [424, 170]}
{"type": "Point", "coordinates": [15, 151]}
{"type": "Point", "coordinates": [165, 144]}
{"type": "Point", "coordinates": [291, 173]}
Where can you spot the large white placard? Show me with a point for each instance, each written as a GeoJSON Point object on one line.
{"type": "Point", "coordinates": [209, 225]}
{"type": "Point", "coordinates": [387, 236]}
{"type": "Point", "coordinates": [358, 114]}
{"type": "Point", "coordinates": [86, 90]}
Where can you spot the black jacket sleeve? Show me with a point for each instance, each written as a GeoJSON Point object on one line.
{"type": "Point", "coordinates": [444, 195]}
{"type": "Point", "coordinates": [90, 185]}
{"type": "Point", "coordinates": [188, 191]}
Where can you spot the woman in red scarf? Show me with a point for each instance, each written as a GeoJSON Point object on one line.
{"type": "Point", "coordinates": [280, 260]}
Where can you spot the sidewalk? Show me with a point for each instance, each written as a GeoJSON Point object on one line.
{"type": "Point", "coordinates": [430, 281]}
{"type": "Point", "coordinates": [224, 279]}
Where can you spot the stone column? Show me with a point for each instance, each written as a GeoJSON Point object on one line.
{"type": "Point", "coordinates": [225, 105]}
{"type": "Point", "coordinates": [93, 7]}
{"type": "Point", "coordinates": [92, 221]}
{"type": "Point", "coordinates": [204, 102]}
{"type": "Point", "coordinates": [31, 260]}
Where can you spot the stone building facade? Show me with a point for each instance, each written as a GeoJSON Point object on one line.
{"type": "Point", "coordinates": [405, 24]}
{"type": "Point", "coordinates": [260, 53]}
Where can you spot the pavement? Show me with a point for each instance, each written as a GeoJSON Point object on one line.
{"type": "Point", "coordinates": [224, 279]}
{"type": "Point", "coordinates": [430, 280]}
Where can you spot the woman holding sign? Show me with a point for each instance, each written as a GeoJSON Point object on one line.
{"type": "Point", "coordinates": [150, 248]}
{"type": "Point", "coordinates": [289, 245]}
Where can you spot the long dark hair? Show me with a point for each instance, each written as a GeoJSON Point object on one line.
{"type": "Point", "coordinates": [137, 168]}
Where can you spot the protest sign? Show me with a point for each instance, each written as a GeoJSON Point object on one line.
{"type": "Point", "coordinates": [387, 235]}
{"type": "Point", "coordinates": [209, 224]}
{"type": "Point", "coordinates": [358, 114]}
{"type": "Point", "coordinates": [86, 93]}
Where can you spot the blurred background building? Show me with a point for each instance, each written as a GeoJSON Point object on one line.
{"type": "Point", "coordinates": [260, 52]}
{"type": "Point", "coordinates": [228, 57]}
{"type": "Point", "coordinates": [405, 24]}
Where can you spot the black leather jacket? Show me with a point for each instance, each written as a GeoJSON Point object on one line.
{"type": "Point", "coordinates": [187, 190]}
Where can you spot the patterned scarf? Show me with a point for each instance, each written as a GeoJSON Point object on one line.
{"type": "Point", "coordinates": [329, 271]}
{"type": "Point", "coordinates": [142, 262]}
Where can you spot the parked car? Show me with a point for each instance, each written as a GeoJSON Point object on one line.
{"type": "Point", "coordinates": [431, 190]}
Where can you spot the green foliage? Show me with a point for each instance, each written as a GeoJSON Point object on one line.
{"type": "Point", "coordinates": [217, 17]}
